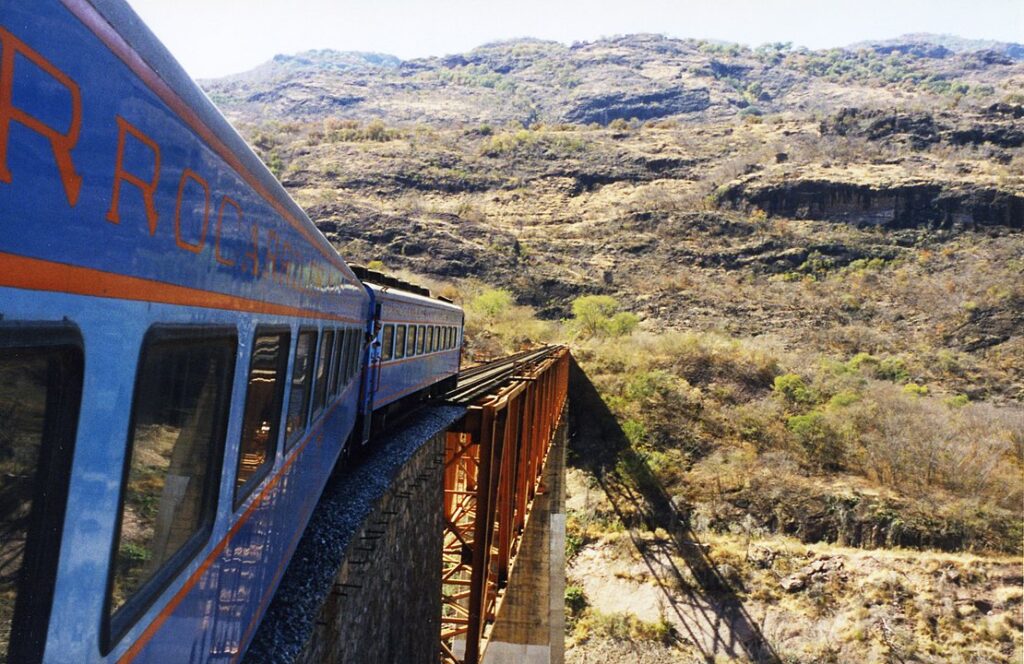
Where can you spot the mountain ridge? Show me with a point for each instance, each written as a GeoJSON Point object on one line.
{"type": "Point", "coordinates": [529, 80]}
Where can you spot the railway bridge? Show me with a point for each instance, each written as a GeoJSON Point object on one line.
{"type": "Point", "coordinates": [447, 541]}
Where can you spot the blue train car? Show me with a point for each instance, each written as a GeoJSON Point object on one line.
{"type": "Point", "coordinates": [180, 352]}
{"type": "Point", "coordinates": [416, 347]}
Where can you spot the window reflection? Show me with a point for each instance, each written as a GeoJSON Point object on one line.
{"type": "Point", "coordinates": [178, 422]}
{"type": "Point", "coordinates": [262, 408]}
{"type": "Point", "coordinates": [298, 399]}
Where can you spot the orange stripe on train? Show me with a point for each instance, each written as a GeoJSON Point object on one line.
{"type": "Point", "coordinates": [41, 275]}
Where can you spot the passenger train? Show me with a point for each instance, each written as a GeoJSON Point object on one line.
{"type": "Point", "coordinates": [183, 356]}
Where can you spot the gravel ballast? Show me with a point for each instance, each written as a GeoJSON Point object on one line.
{"type": "Point", "coordinates": [347, 500]}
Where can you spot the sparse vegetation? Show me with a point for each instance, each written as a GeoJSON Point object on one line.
{"type": "Point", "coordinates": [826, 393]}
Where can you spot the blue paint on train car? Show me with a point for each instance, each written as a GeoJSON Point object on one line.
{"type": "Point", "coordinates": [232, 577]}
{"type": "Point", "coordinates": [398, 373]}
{"type": "Point", "coordinates": [109, 176]}
{"type": "Point", "coordinates": [128, 204]}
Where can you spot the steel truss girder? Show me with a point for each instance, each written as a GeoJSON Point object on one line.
{"type": "Point", "coordinates": [494, 461]}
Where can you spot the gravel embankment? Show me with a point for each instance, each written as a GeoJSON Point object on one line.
{"type": "Point", "coordinates": [347, 500]}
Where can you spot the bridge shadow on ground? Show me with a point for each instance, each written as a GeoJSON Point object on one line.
{"type": "Point", "coordinates": [713, 618]}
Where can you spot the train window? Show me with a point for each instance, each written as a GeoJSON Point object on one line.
{"type": "Point", "coordinates": [351, 336]}
{"type": "Point", "coordinates": [411, 341]}
{"type": "Point", "coordinates": [437, 338]}
{"type": "Point", "coordinates": [302, 377]}
{"type": "Point", "coordinates": [336, 362]}
{"type": "Point", "coordinates": [323, 370]}
{"type": "Point", "coordinates": [356, 350]}
{"type": "Point", "coordinates": [347, 341]}
{"type": "Point", "coordinates": [400, 341]}
{"type": "Point", "coordinates": [430, 338]}
{"type": "Point", "coordinates": [421, 339]}
{"type": "Point", "coordinates": [340, 369]}
{"type": "Point", "coordinates": [387, 343]}
{"type": "Point", "coordinates": [172, 464]}
{"type": "Point", "coordinates": [359, 341]}
{"type": "Point", "coordinates": [263, 401]}
{"type": "Point", "coordinates": [40, 388]}
{"type": "Point", "coordinates": [448, 338]}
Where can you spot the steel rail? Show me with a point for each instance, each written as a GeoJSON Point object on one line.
{"type": "Point", "coordinates": [478, 381]}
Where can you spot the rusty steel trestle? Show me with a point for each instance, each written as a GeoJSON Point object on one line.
{"type": "Point", "coordinates": [494, 458]}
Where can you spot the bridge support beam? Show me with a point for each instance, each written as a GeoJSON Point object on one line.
{"type": "Point", "coordinates": [495, 461]}
{"type": "Point", "coordinates": [529, 627]}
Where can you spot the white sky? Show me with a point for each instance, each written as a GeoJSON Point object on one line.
{"type": "Point", "coordinates": [218, 37]}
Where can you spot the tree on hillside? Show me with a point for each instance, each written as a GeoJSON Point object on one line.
{"type": "Point", "coordinates": [599, 315]}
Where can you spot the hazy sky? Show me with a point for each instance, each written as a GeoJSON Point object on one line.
{"type": "Point", "coordinates": [217, 37]}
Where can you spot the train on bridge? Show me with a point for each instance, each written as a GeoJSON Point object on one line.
{"type": "Point", "coordinates": [184, 357]}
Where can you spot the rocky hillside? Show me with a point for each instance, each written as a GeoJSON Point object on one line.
{"type": "Point", "coordinates": [798, 169]}
{"type": "Point", "coordinates": [637, 76]}
{"type": "Point", "coordinates": [824, 252]}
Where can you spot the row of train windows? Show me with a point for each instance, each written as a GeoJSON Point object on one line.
{"type": "Point", "coordinates": [399, 341]}
{"type": "Point", "coordinates": [179, 419]}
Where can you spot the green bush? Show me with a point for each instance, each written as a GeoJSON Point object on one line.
{"type": "Point", "coordinates": [635, 431]}
{"type": "Point", "coordinates": [793, 389]}
{"type": "Point", "coordinates": [915, 390]}
{"type": "Point", "coordinates": [598, 315]}
{"type": "Point", "coordinates": [352, 131]}
{"type": "Point", "coordinates": [886, 368]}
{"type": "Point", "coordinates": [645, 385]}
{"type": "Point", "coordinates": [623, 627]}
{"type": "Point", "coordinates": [622, 324]}
{"type": "Point", "coordinates": [491, 303]}
{"type": "Point", "coordinates": [894, 369]}
{"type": "Point", "coordinates": [843, 399]}
{"type": "Point", "coordinates": [958, 401]}
{"type": "Point", "coordinates": [575, 600]}
{"type": "Point", "coordinates": [821, 443]}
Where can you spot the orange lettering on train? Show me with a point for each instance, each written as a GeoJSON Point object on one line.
{"type": "Point", "coordinates": [189, 174]}
{"type": "Point", "coordinates": [224, 202]}
{"type": "Point", "coordinates": [271, 258]}
{"type": "Point", "coordinates": [60, 143]}
{"type": "Point", "coordinates": [254, 251]}
{"type": "Point", "coordinates": [148, 189]}
{"type": "Point", "coordinates": [286, 263]}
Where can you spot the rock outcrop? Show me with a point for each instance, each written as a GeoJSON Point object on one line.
{"type": "Point", "coordinates": [604, 108]}
{"type": "Point", "coordinates": [896, 206]}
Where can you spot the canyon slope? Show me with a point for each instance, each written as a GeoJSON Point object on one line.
{"type": "Point", "coordinates": [810, 446]}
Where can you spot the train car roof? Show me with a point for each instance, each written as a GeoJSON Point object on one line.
{"type": "Point", "coordinates": [398, 295]}
{"type": "Point", "coordinates": [141, 39]}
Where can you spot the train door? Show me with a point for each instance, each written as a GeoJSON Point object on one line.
{"type": "Point", "coordinates": [371, 378]}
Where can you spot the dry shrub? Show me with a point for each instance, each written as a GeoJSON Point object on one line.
{"type": "Point", "coordinates": [699, 359]}
{"type": "Point", "coordinates": [915, 444]}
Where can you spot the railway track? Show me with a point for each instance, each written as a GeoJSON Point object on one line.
{"type": "Point", "coordinates": [478, 381]}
